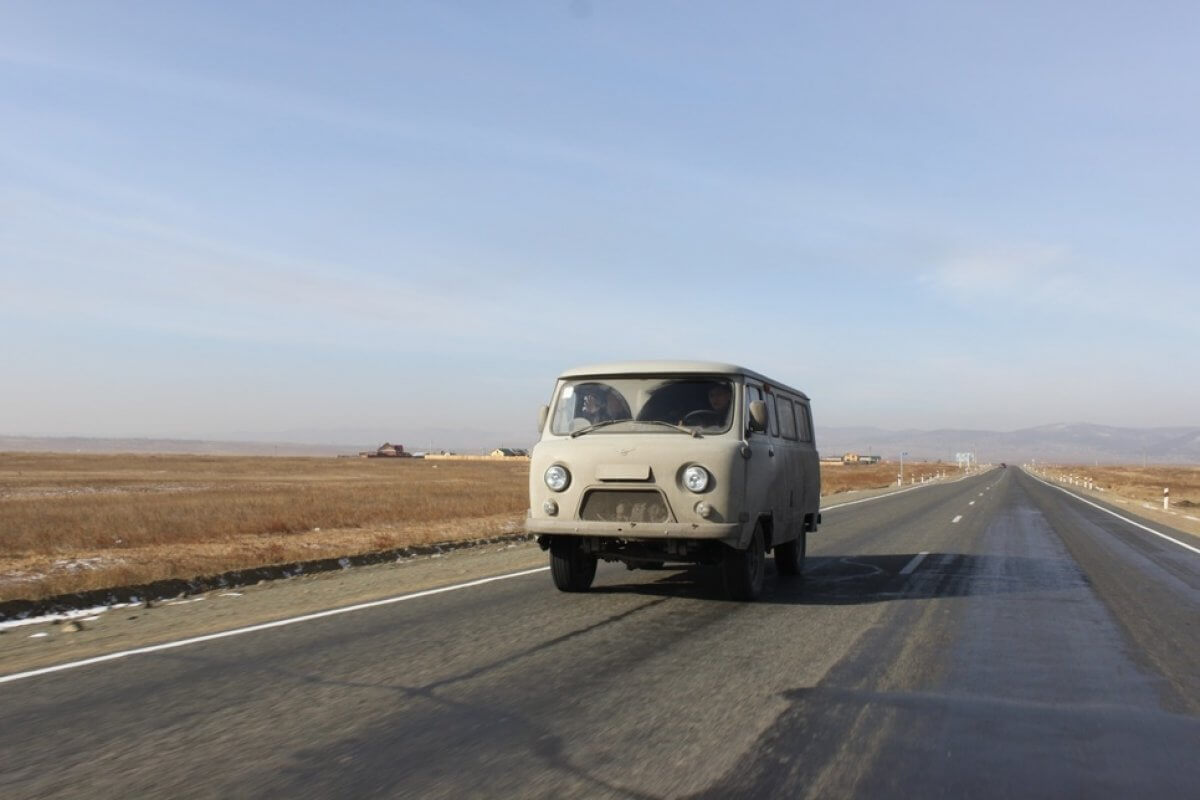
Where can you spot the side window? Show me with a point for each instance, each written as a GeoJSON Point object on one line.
{"type": "Point", "coordinates": [804, 417]}
{"type": "Point", "coordinates": [771, 413]}
{"type": "Point", "coordinates": [787, 417]}
{"type": "Point", "coordinates": [753, 394]}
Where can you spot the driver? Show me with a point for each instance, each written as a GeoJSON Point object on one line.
{"type": "Point", "coordinates": [719, 396]}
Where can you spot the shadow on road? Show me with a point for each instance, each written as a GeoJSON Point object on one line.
{"type": "Point", "coordinates": [857, 579]}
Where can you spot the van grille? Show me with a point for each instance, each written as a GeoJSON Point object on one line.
{"type": "Point", "coordinates": [624, 506]}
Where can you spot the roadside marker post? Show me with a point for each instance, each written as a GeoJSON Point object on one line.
{"type": "Point", "coordinates": [1166, 498]}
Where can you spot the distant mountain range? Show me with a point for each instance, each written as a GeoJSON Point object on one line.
{"type": "Point", "coordinates": [1062, 443]}
{"type": "Point", "coordinates": [82, 444]}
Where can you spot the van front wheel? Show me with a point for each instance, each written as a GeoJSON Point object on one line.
{"type": "Point", "coordinates": [744, 569]}
{"type": "Point", "coordinates": [789, 556]}
{"type": "Point", "coordinates": [572, 569]}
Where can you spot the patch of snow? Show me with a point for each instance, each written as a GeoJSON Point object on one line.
{"type": "Point", "coordinates": [230, 594]}
{"type": "Point", "coordinates": [20, 577]}
{"type": "Point", "coordinates": [38, 635]}
{"type": "Point", "coordinates": [80, 564]}
{"type": "Point", "coordinates": [77, 614]}
{"type": "Point", "coordinates": [76, 564]}
{"type": "Point", "coordinates": [38, 492]}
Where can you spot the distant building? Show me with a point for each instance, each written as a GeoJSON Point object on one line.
{"type": "Point", "coordinates": [858, 458]}
{"type": "Point", "coordinates": [509, 452]}
{"type": "Point", "coordinates": [389, 450]}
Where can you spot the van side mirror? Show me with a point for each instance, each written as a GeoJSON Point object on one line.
{"type": "Point", "coordinates": [758, 416]}
{"type": "Point", "coordinates": [543, 412]}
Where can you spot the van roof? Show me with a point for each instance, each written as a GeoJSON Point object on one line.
{"type": "Point", "coordinates": [671, 368]}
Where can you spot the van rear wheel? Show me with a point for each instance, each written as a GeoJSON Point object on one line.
{"type": "Point", "coordinates": [572, 569]}
{"type": "Point", "coordinates": [789, 556]}
{"type": "Point", "coordinates": [743, 570]}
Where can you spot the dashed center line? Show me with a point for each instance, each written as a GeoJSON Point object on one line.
{"type": "Point", "coordinates": [956, 519]}
{"type": "Point", "coordinates": [971, 503]}
{"type": "Point", "coordinates": [911, 565]}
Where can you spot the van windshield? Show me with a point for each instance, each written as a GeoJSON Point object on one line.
{"type": "Point", "coordinates": [642, 404]}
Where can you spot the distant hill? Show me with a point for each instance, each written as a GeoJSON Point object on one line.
{"type": "Point", "coordinates": [1062, 443]}
{"type": "Point", "coordinates": [1059, 443]}
{"type": "Point", "coordinates": [78, 444]}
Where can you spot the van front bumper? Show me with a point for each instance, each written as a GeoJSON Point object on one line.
{"type": "Point", "coordinates": [728, 532]}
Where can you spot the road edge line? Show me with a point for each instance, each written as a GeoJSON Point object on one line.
{"type": "Point", "coordinates": [279, 623]}
{"type": "Point", "coordinates": [1146, 528]}
{"type": "Point", "coordinates": [902, 491]}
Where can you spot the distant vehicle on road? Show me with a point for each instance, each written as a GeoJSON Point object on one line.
{"type": "Point", "coordinates": [674, 461]}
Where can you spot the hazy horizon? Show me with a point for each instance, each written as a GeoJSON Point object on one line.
{"type": "Point", "coordinates": [235, 219]}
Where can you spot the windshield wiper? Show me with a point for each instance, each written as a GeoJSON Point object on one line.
{"type": "Point", "coordinates": [595, 425]}
{"type": "Point", "coordinates": [681, 428]}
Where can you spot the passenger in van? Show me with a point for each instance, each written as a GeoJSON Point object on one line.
{"type": "Point", "coordinates": [591, 410]}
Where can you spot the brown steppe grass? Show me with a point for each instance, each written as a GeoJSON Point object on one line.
{"type": "Point", "coordinates": [854, 477]}
{"type": "Point", "coordinates": [86, 521]}
{"type": "Point", "coordinates": [1142, 483]}
{"type": "Point", "coordinates": [75, 522]}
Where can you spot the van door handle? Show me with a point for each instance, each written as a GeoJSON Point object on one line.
{"type": "Point", "coordinates": [771, 452]}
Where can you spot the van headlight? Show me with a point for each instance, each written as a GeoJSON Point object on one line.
{"type": "Point", "coordinates": [557, 478]}
{"type": "Point", "coordinates": [695, 478]}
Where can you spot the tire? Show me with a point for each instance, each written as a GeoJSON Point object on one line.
{"type": "Point", "coordinates": [789, 556]}
{"type": "Point", "coordinates": [572, 569]}
{"type": "Point", "coordinates": [743, 570]}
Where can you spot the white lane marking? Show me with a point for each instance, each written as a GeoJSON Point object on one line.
{"type": "Point", "coordinates": [981, 494]}
{"type": "Point", "coordinates": [956, 519]}
{"type": "Point", "coordinates": [893, 494]}
{"type": "Point", "coordinates": [911, 565]}
{"type": "Point", "coordinates": [1118, 516]}
{"type": "Point", "coordinates": [279, 623]}
{"type": "Point", "coordinates": [971, 503]}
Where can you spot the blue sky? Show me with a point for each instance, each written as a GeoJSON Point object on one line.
{"type": "Point", "coordinates": [222, 219]}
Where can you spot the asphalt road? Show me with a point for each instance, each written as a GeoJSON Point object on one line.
{"type": "Point", "coordinates": [1038, 648]}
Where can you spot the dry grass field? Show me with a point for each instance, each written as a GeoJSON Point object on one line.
{"type": "Point", "coordinates": [852, 477]}
{"type": "Point", "coordinates": [85, 521]}
{"type": "Point", "coordinates": [1143, 483]}
{"type": "Point", "coordinates": [75, 522]}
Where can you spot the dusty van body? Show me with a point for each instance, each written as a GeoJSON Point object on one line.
{"type": "Point", "coordinates": [674, 461]}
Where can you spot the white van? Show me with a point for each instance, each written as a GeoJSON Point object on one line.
{"type": "Point", "coordinates": [674, 461]}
